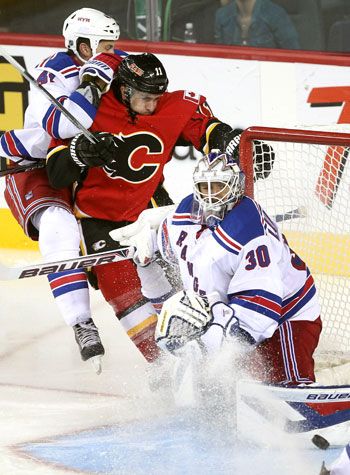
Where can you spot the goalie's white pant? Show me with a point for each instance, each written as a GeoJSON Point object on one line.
{"type": "Point", "coordinates": [59, 239]}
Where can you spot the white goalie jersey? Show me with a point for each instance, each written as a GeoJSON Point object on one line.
{"type": "Point", "coordinates": [245, 262]}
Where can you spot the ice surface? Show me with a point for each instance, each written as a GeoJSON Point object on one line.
{"type": "Point", "coordinates": [58, 417]}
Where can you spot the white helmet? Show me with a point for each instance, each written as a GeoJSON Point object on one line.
{"type": "Point", "coordinates": [92, 24]}
{"type": "Point", "coordinates": [210, 206]}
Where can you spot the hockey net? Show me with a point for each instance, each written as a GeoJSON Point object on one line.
{"type": "Point", "coordinates": [308, 192]}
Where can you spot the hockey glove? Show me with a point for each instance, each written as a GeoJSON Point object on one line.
{"type": "Point", "coordinates": [224, 316]}
{"type": "Point", "coordinates": [264, 157]}
{"type": "Point", "coordinates": [142, 234]}
{"type": "Point", "coordinates": [100, 70]}
{"type": "Point", "coordinates": [184, 317]}
{"type": "Point", "coordinates": [231, 141]}
{"type": "Point", "coordinates": [87, 154]}
{"type": "Point", "coordinates": [143, 238]}
{"type": "Point", "coordinates": [224, 325]}
{"type": "Point", "coordinates": [91, 92]}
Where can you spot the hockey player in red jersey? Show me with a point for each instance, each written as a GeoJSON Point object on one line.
{"type": "Point", "coordinates": [138, 124]}
{"type": "Point", "coordinates": [44, 213]}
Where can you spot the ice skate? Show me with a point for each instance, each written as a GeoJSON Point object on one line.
{"type": "Point", "coordinates": [90, 346]}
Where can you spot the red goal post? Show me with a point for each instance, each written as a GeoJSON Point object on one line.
{"type": "Point", "coordinates": [282, 135]}
{"type": "Point", "coordinates": [308, 192]}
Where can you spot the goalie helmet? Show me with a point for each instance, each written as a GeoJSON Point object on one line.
{"type": "Point", "coordinates": [218, 184]}
{"type": "Point", "coordinates": [91, 24]}
{"type": "Point", "coordinates": [143, 72]}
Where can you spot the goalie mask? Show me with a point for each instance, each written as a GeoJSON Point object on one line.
{"type": "Point", "coordinates": [91, 24]}
{"type": "Point", "coordinates": [218, 185]}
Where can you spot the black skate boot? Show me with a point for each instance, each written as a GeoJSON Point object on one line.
{"type": "Point", "coordinates": [89, 342]}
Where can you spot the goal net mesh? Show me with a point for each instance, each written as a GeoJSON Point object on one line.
{"type": "Point", "coordinates": [308, 193]}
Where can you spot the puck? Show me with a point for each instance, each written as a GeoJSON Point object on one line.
{"type": "Point", "coordinates": [320, 442]}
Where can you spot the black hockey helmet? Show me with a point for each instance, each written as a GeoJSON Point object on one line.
{"type": "Point", "coordinates": [143, 72]}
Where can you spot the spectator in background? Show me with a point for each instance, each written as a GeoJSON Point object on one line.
{"type": "Point", "coordinates": [259, 23]}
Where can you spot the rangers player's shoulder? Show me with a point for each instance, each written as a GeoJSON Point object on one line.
{"type": "Point", "coordinates": [60, 62]}
{"type": "Point", "coordinates": [183, 212]}
{"type": "Point", "coordinates": [242, 224]}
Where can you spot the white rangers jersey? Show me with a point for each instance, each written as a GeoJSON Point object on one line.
{"type": "Point", "coordinates": [59, 74]}
{"type": "Point", "coordinates": [244, 262]}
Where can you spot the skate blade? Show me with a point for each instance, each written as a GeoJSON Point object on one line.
{"type": "Point", "coordinates": [96, 362]}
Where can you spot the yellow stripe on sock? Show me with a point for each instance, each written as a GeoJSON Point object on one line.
{"type": "Point", "coordinates": [141, 326]}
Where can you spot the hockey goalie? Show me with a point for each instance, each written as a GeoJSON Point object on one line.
{"type": "Point", "coordinates": [245, 289]}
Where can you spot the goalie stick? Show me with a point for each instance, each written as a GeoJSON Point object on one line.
{"type": "Point", "coordinates": [45, 268]}
{"type": "Point", "coordinates": [49, 96]}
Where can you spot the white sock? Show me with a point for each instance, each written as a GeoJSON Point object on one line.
{"type": "Point", "coordinates": [59, 239]}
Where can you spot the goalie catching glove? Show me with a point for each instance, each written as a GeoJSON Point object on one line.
{"type": "Point", "coordinates": [186, 316]}
{"type": "Point", "coordinates": [87, 154]}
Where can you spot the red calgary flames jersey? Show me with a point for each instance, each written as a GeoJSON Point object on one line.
{"type": "Point", "coordinates": [145, 145]}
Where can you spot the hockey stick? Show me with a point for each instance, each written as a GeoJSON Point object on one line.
{"type": "Point", "coordinates": [295, 213]}
{"type": "Point", "coordinates": [49, 96]}
{"type": "Point", "coordinates": [22, 168]}
{"type": "Point", "coordinates": [45, 268]}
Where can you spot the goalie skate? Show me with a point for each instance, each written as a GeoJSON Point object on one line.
{"type": "Point", "coordinates": [89, 342]}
